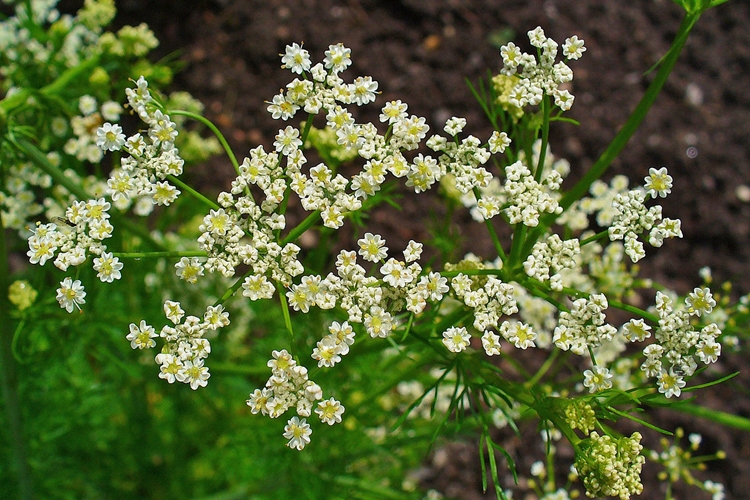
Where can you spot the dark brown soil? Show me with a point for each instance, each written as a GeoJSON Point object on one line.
{"type": "Point", "coordinates": [421, 50]}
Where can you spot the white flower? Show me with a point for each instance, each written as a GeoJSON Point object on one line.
{"type": "Point", "coordinates": [173, 311]}
{"type": "Point", "coordinates": [670, 383]}
{"type": "Point", "coordinates": [491, 343]}
{"type": "Point", "coordinates": [296, 59]}
{"type": "Point", "coordinates": [573, 48]}
{"type": "Point", "coordinates": [364, 88]}
{"type": "Point", "coordinates": [194, 373]}
{"type": "Point", "coordinates": [163, 193]}
{"type": "Point", "coordinates": [287, 141]}
{"type": "Point", "coordinates": [298, 432]}
{"type": "Point", "coordinates": [330, 411]}
{"type": "Point", "coordinates": [520, 334]}
{"type": "Point", "coordinates": [498, 142]}
{"type": "Point", "coordinates": [597, 379]}
{"type": "Point", "coordinates": [658, 182]}
{"type": "Point", "coordinates": [378, 322]}
{"type": "Point", "coordinates": [372, 247]}
{"type": "Point", "coordinates": [141, 336]}
{"type": "Point", "coordinates": [281, 108]}
{"type": "Point", "coordinates": [71, 294]}
{"type": "Point", "coordinates": [257, 287]}
{"type": "Point", "coordinates": [109, 137]}
{"type": "Point", "coordinates": [215, 317]}
{"type": "Point", "coordinates": [636, 330]}
{"type": "Point", "coordinates": [170, 366]}
{"type": "Point", "coordinates": [700, 301]}
{"type": "Point", "coordinates": [337, 58]}
{"type": "Point", "coordinates": [454, 125]}
{"type": "Point", "coordinates": [189, 269]}
{"type": "Point", "coordinates": [108, 267]}
{"type": "Point", "coordinates": [393, 111]}
{"type": "Point", "coordinates": [456, 339]}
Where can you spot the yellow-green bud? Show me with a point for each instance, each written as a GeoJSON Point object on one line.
{"type": "Point", "coordinates": [22, 294]}
{"type": "Point", "coordinates": [99, 77]}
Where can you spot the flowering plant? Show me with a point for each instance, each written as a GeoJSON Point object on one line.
{"type": "Point", "coordinates": [562, 281]}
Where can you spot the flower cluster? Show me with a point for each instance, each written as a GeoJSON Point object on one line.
{"type": "Point", "coordinates": [610, 467]}
{"type": "Point", "coordinates": [82, 232]}
{"type": "Point", "coordinates": [679, 347]}
{"type": "Point", "coordinates": [186, 347]}
{"type": "Point", "coordinates": [542, 76]}
{"type": "Point", "coordinates": [632, 218]}
{"type": "Point", "coordinates": [290, 387]}
{"type": "Point", "coordinates": [549, 258]}
{"type": "Point", "coordinates": [584, 326]}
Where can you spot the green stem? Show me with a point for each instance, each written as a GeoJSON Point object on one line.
{"type": "Point", "coordinates": [40, 160]}
{"type": "Point", "coordinates": [598, 236]}
{"type": "Point", "coordinates": [544, 368]}
{"type": "Point", "coordinates": [192, 192]}
{"type": "Point", "coordinates": [216, 132]}
{"type": "Point", "coordinates": [287, 316]}
{"type": "Point", "coordinates": [303, 226]}
{"type": "Point", "coordinates": [519, 239]}
{"type": "Point", "coordinates": [9, 380]}
{"type": "Point", "coordinates": [720, 417]}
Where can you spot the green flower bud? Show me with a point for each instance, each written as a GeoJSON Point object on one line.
{"type": "Point", "coordinates": [22, 294]}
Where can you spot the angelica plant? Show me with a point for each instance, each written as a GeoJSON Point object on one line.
{"type": "Point", "coordinates": [448, 334]}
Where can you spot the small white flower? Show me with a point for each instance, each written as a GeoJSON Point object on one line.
{"type": "Point", "coordinates": [141, 336]}
{"type": "Point", "coordinates": [71, 294]}
{"type": "Point", "coordinates": [330, 411]}
{"type": "Point", "coordinates": [109, 137]}
{"type": "Point", "coordinates": [108, 267]}
{"type": "Point", "coordinates": [298, 432]}
{"type": "Point", "coordinates": [658, 182]}
{"type": "Point", "coordinates": [456, 339]}
{"type": "Point", "coordinates": [597, 379]}
{"type": "Point", "coordinates": [454, 125]}
{"type": "Point", "coordinates": [372, 247]}
{"type": "Point", "coordinates": [296, 59]}
{"type": "Point", "coordinates": [700, 301]}
{"type": "Point", "coordinates": [573, 48]}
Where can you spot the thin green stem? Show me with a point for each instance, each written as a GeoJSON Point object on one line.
{"type": "Point", "coordinates": [216, 132]}
{"type": "Point", "coordinates": [544, 368]}
{"type": "Point", "coordinates": [519, 238]}
{"type": "Point", "coordinates": [308, 126]}
{"type": "Point", "coordinates": [287, 316]}
{"type": "Point", "coordinates": [303, 226]}
{"type": "Point", "coordinates": [720, 417]}
{"type": "Point", "coordinates": [235, 286]}
{"type": "Point", "coordinates": [192, 192]}
{"type": "Point", "coordinates": [596, 237]}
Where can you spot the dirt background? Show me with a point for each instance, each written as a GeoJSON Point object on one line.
{"type": "Point", "coordinates": [420, 51]}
